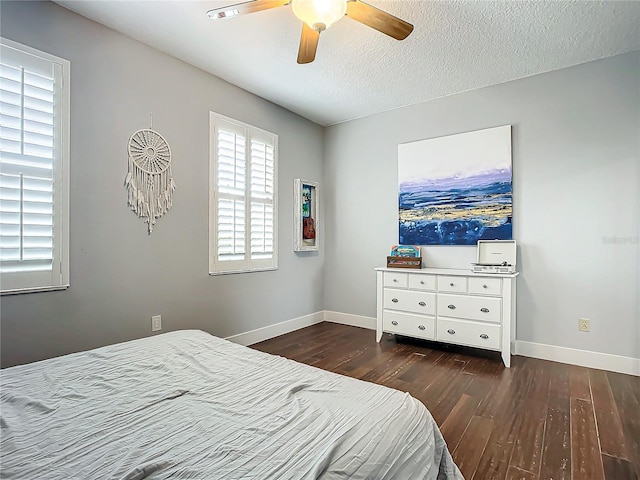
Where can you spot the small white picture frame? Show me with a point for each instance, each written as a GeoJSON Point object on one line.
{"type": "Point", "coordinates": [305, 215]}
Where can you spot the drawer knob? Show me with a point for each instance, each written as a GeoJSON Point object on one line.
{"type": "Point", "coordinates": [451, 331]}
{"type": "Point", "coordinates": [422, 327]}
{"type": "Point", "coordinates": [422, 304]}
{"type": "Point", "coordinates": [451, 285]}
{"type": "Point", "coordinates": [485, 286]}
{"type": "Point", "coordinates": [394, 300]}
{"type": "Point", "coordinates": [421, 282]}
{"type": "Point", "coordinates": [452, 307]}
{"type": "Point", "coordinates": [394, 323]}
{"type": "Point", "coordinates": [484, 310]}
{"type": "Point", "coordinates": [484, 336]}
{"type": "Point", "coordinates": [395, 279]}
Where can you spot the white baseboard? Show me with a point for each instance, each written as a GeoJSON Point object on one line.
{"type": "Point", "coordinates": [583, 358]}
{"type": "Point", "coordinates": [271, 331]}
{"type": "Point", "coordinates": [349, 319]}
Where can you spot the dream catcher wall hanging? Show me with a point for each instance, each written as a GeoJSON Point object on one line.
{"type": "Point", "coordinates": [149, 181]}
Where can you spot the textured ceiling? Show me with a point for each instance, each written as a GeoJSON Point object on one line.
{"type": "Point", "coordinates": [456, 46]}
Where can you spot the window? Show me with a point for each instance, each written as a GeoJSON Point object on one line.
{"type": "Point", "coordinates": [242, 197]}
{"type": "Point", "coordinates": [34, 169]}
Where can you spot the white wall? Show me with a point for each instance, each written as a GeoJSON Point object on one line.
{"type": "Point", "coordinates": [576, 142]}
{"type": "Point", "coordinates": [120, 276]}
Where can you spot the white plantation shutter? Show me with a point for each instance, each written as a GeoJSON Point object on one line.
{"type": "Point", "coordinates": [231, 186]}
{"type": "Point", "coordinates": [262, 194]}
{"type": "Point", "coordinates": [242, 223]}
{"type": "Point", "coordinates": [34, 106]}
{"type": "Point", "coordinates": [261, 230]}
{"type": "Point", "coordinates": [231, 229]}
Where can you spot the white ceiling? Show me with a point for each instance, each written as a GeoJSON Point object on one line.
{"type": "Point", "coordinates": [456, 46]}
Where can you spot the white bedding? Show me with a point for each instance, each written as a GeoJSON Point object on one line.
{"type": "Point", "coordinates": [187, 405]}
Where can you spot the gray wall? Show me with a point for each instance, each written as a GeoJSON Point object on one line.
{"type": "Point", "coordinates": [576, 141]}
{"type": "Point", "coordinates": [576, 200]}
{"type": "Point", "coordinates": [120, 276]}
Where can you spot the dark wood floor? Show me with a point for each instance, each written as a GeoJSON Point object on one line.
{"type": "Point", "coordinates": [536, 420]}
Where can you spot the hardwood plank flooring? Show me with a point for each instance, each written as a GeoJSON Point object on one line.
{"type": "Point", "coordinates": [538, 420]}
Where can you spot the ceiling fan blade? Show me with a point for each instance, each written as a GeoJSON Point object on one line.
{"type": "Point", "coordinates": [244, 8]}
{"type": "Point", "coordinates": [375, 18]}
{"type": "Point", "coordinates": [308, 44]}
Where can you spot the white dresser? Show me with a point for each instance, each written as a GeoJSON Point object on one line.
{"type": "Point", "coordinates": [447, 305]}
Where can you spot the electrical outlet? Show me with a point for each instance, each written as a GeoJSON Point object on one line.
{"type": "Point", "coordinates": [156, 323]}
{"type": "Point", "coordinates": [583, 324]}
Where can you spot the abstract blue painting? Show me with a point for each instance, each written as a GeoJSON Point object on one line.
{"type": "Point", "coordinates": [456, 190]}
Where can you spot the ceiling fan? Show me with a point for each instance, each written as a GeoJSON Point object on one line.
{"type": "Point", "coordinates": [318, 15]}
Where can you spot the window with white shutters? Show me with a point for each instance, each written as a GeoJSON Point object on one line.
{"type": "Point", "coordinates": [34, 169]}
{"type": "Point", "coordinates": [242, 206]}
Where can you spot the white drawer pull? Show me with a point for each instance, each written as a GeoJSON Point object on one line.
{"type": "Point", "coordinates": [452, 307]}
{"type": "Point", "coordinates": [394, 323]}
{"type": "Point", "coordinates": [484, 310]}
{"type": "Point", "coordinates": [484, 336]}
{"type": "Point", "coordinates": [422, 327]}
{"type": "Point", "coordinates": [422, 304]}
{"type": "Point", "coordinates": [451, 331]}
{"type": "Point", "coordinates": [394, 300]}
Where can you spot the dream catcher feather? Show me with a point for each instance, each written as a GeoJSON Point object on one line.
{"type": "Point", "coordinates": [149, 181]}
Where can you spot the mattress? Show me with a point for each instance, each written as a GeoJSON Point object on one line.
{"type": "Point", "coordinates": [188, 405]}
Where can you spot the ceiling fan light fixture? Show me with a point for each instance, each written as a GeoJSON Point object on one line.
{"type": "Point", "coordinates": [319, 14]}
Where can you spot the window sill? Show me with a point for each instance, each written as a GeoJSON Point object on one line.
{"type": "Point", "coordinates": [33, 290]}
{"type": "Point", "coordinates": [253, 270]}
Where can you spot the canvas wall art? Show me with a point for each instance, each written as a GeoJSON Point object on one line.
{"type": "Point", "coordinates": [456, 190]}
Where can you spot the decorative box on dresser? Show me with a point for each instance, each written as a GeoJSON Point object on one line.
{"type": "Point", "coordinates": [447, 305]}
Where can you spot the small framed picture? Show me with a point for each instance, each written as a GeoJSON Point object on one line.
{"type": "Point", "coordinates": [305, 216]}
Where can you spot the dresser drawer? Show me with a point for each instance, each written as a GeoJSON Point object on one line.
{"type": "Point", "coordinates": [485, 286]}
{"type": "Point", "coordinates": [452, 284]}
{"type": "Point", "coordinates": [396, 279]}
{"type": "Point", "coordinates": [464, 332]}
{"type": "Point", "coordinates": [411, 325]}
{"type": "Point", "coordinates": [422, 282]}
{"type": "Point", "coordinates": [409, 301]}
{"type": "Point", "coordinates": [470, 307]}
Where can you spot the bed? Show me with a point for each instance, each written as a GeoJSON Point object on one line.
{"type": "Point", "coordinates": [188, 405]}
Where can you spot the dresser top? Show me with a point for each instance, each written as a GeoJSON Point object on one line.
{"type": "Point", "coordinates": [448, 271]}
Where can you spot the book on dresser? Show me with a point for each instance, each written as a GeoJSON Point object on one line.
{"type": "Point", "coordinates": [449, 305]}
